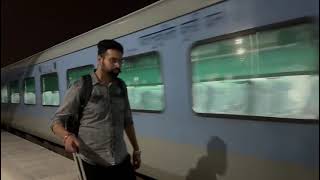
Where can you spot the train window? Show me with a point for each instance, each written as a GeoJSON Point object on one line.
{"type": "Point", "coordinates": [14, 92]}
{"type": "Point", "coordinates": [29, 91]}
{"type": "Point", "coordinates": [142, 75]}
{"type": "Point", "coordinates": [4, 94]}
{"type": "Point", "coordinates": [75, 73]}
{"type": "Point", "coordinates": [271, 73]}
{"type": "Point", "coordinates": [50, 90]}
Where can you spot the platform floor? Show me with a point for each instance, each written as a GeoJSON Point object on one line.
{"type": "Point", "coordinates": [24, 160]}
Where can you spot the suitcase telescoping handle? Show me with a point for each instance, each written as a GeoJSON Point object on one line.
{"type": "Point", "coordinates": [79, 166]}
{"type": "Point", "coordinates": [76, 158]}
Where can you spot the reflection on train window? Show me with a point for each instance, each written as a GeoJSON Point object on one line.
{"type": "Point", "coordinates": [50, 90]}
{"type": "Point", "coordinates": [14, 92]}
{"type": "Point", "coordinates": [4, 94]}
{"type": "Point", "coordinates": [29, 91]}
{"type": "Point", "coordinates": [142, 75]}
{"type": "Point", "coordinates": [270, 73]}
{"type": "Point", "coordinates": [75, 74]}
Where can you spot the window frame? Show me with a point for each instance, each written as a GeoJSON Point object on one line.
{"type": "Point", "coordinates": [76, 68]}
{"type": "Point", "coordinates": [161, 75]}
{"type": "Point", "coordinates": [293, 22]}
{"type": "Point", "coordinates": [10, 92]}
{"type": "Point", "coordinates": [41, 89]}
{"type": "Point", "coordinates": [8, 101]}
{"type": "Point", "coordinates": [34, 90]}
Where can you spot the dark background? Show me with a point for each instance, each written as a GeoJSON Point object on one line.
{"type": "Point", "coordinates": [31, 26]}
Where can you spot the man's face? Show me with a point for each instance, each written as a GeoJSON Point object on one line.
{"type": "Point", "coordinates": [110, 62]}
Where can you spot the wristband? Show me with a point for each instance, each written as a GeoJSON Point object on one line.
{"type": "Point", "coordinates": [66, 137]}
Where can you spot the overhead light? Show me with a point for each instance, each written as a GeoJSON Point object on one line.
{"type": "Point", "coordinates": [241, 51]}
{"type": "Point", "coordinates": [238, 41]}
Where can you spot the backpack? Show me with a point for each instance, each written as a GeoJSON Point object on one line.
{"type": "Point", "coordinates": [72, 124]}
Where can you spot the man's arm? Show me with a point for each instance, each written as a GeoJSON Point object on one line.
{"type": "Point", "coordinates": [130, 131]}
{"type": "Point", "coordinates": [136, 155]}
{"type": "Point", "coordinates": [131, 134]}
{"type": "Point", "coordinates": [59, 130]}
{"type": "Point", "coordinates": [68, 108]}
{"type": "Point", "coordinates": [71, 143]}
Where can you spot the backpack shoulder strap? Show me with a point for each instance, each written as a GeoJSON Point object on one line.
{"type": "Point", "coordinates": [122, 85]}
{"type": "Point", "coordinates": [73, 124]}
{"type": "Point", "coordinates": [85, 92]}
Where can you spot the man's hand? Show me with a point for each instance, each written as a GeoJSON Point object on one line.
{"type": "Point", "coordinates": [71, 144]}
{"type": "Point", "coordinates": [136, 158]}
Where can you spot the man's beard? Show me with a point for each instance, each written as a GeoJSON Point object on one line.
{"type": "Point", "coordinates": [115, 72]}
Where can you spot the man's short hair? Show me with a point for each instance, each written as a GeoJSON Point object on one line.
{"type": "Point", "coordinates": [106, 44]}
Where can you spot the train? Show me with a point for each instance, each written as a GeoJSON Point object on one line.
{"type": "Point", "coordinates": [219, 89]}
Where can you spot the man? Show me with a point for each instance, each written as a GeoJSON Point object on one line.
{"type": "Point", "coordinates": [106, 115]}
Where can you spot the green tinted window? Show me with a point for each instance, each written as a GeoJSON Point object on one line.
{"type": "Point", "coordinates": [4, 94]}
{"type": "Point", "coordinates": [142, 75]}
{"type": "Point", "coordinates": [75, 74]}
{"type": "Point", "coordinates": [14, 92]}
{"type": "Point", "coordinates": [50, 89]}
{"type": "Point", "coordinates": [29, 91]}
{"type": "Point", "coordinates": [269, 73]}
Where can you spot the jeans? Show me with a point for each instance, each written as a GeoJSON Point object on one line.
{"type": "Point", "coordinates": [122, 171]}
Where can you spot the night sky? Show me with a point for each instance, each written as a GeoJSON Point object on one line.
{"type": "Point", "coordinates": [31, 26]}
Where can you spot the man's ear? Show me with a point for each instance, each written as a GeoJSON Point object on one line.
{"type": "Point", "coordinates": [99, 58]}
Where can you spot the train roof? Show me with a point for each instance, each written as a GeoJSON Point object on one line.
{"type": "Point", "coordinates": [153, 14]}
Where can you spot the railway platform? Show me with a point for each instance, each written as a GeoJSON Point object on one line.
{"type": "Point", "coordinates": [24, 160]}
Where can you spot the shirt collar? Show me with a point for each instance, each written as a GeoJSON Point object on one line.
{"type": "Point", "coordinates": [94, 79]}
